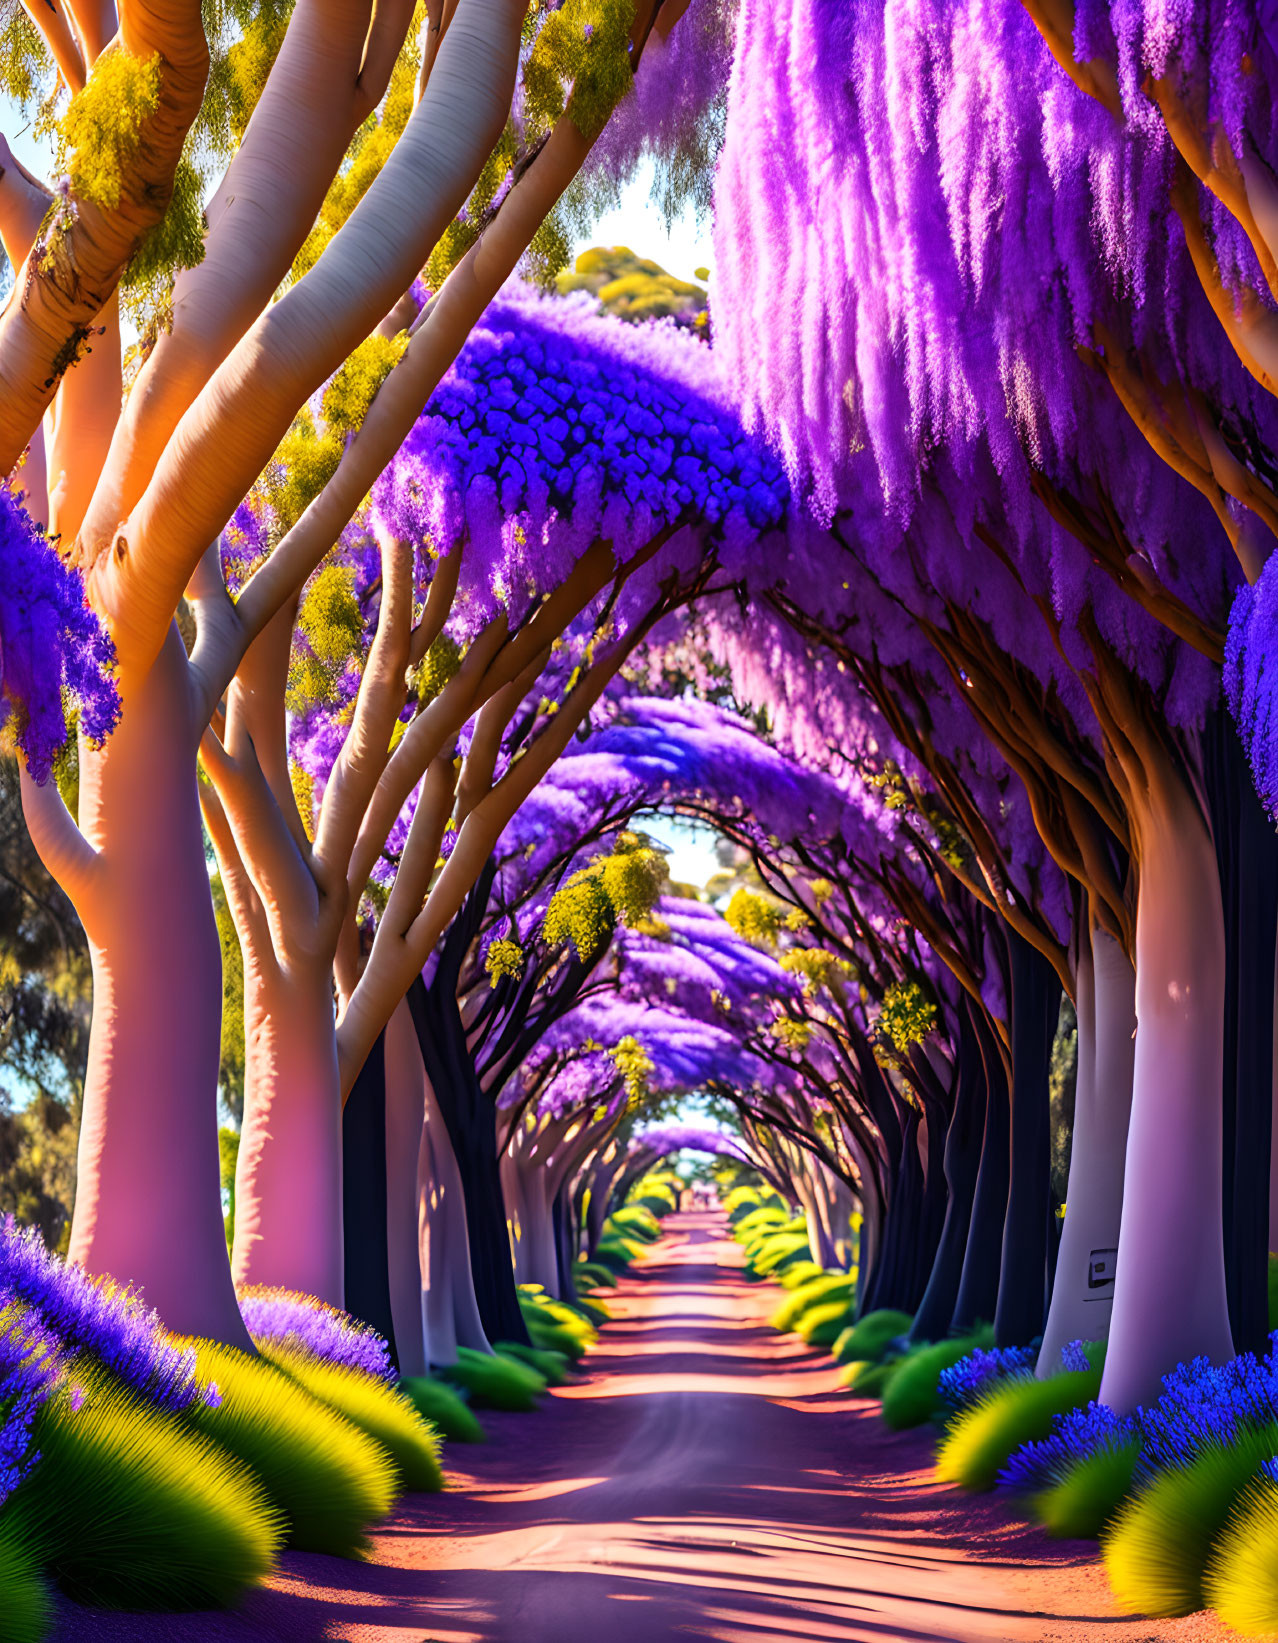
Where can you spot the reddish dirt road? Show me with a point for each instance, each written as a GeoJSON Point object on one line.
{"type": "Point", "coordinates": [706, 1479]}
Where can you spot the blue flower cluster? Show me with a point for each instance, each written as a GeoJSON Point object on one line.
{"type": "Point", "coordinates": [1077, 1434]}
{"type": "Point", "coordinates": [52, 646]}
{"type": "Point", "coordinates": [282, 1317]}
{"type": "Point", "coordinates": [962, 1383]}
{"type": "Point", "coordinates": [979, 1371]}
{"type": "Point", "coordinates": [29, 1368]}
{"type": "Point", "coordinates": [1201, 1404]}
{"type": "Point", "coordinates": [83, 1315]}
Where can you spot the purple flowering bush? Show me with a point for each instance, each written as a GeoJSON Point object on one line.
{"type": "Point", "coordinates": [53, 649]}
{"type": "Point", "coordinates": [283, 1319]}
{"type": "Point", "coordinates": [29, 1370]}
{"type": "Point", "coordinates": [109, 1324]}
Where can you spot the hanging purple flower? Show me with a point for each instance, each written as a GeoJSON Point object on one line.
{"type": "Point", "coordinates": [54, 652]}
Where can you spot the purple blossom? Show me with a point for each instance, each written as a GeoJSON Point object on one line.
{"type": "Point", "coordinates": [29, 1369]}
{"type": "Point", "coordinates": [1077, 1434]}
{"type": "Point", "coordinates": [95, 1317]}
{"type": "Point", "coordinates": [964, 1382]}
{"type": "Point", "coordinates": [282, 1317]}
{"type": "Point", "coordinates": [54, 651]}
{"type": "Point", "coordinates": [1202, 1404]}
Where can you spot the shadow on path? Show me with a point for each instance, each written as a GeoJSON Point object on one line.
{"type": "Point", "coordinates": [707, 1479]}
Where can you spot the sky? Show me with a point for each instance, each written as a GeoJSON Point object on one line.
{"type": "Point", "coordinates": [636, 222]}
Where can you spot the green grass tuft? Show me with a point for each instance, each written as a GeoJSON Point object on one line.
{"type": "Point", "coordinates": [130, 1509]}
{"type": "Point", "coordinates": [1086, 1499]}
{"type": "Point", "coordinates": [869, 1338]}
{"type": "Point", "coordinates": [554, 1367]}
{"type": "Point", "coordinates": [829, 1286]}
{"type": "Point", "coordinates": [912, 1399]}
{"type": "Point", "coordinates": [375, 1408]}
{"type": "Point", "coordinates": [634, 1221]}
{"type": "Point", "coordinates": [555, 1325]}
{"type": "Point", "coordinates": [616, 1253]}
{"type": "Point", "coordinates": [593, 1311]}
{"type": "Point", "coordinates": [870, 1380]}
{"type": "Point", "coordinates": [330, 1479]}
{"type": "Point", "coordinates": [822, 1325]}
{"type": "Point", "coordinates": [1158, 1546]}
{"type": "Point", "coordinates": [797, 1273]}
{"type": "Point", "coordinates": [493, 1381]}
{"type": "Point", "coordinates": [25, 1610]}
{"type": "Point", "coordinates": [594, 1275]}
{"type": "Point", "coordinates": [444, 1407]}
{"type": "Point", "coordinates": [780, 1251]}
{"type": "Point", "coordinates": [1018, 1410]}
{"type": "Point", "coordinates": [1242, 1575]}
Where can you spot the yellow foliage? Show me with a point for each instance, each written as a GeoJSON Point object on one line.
{"type": "Point", "coordinates": [754, 917]}
{"type": "Point", "coordinates": [795, 1035]}
{"type": "Point", "coordinates": [504, 958]}
{"type": "Point", "coordinates": [101, 131]}
{"type": "Point", "coordinates": [636, 1067]}
{"type": "Point", "coordinates": [331, 625]}
{"type": "Point", "coordinates": [818, 967]}
{"type": "Point", "coordinates": [354, 384]}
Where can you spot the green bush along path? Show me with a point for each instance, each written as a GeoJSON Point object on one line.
{"type": "Point", "coordinates": [703, 1477]}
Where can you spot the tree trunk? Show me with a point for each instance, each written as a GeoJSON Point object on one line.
{"type": "Point", "coordinates": [1247, 860]}
{"type": "Point", "coordinates": [451, 1310]}
{"type": "Point", "coordinates": [148, 1205]}
{"type": "Point", "coordinates": [1022, 1289]}
{"type": "Point", "coordinates": [1170, 1301]}
{"type": "Point", "coordinates": [893, 1283]}
{"type": "Point", "coordinates": [405, 1116]}
{"type": "Point", "coordinates": [288, 1179]}
{"type": "Point", "coordinates": [1083, 1294]}
{"type": "Point", "coordinates": [564, 1229]}
{"type": "Point", "coordinates": [512, 1187]}
{"type": "Point", "coordinates": [472, 1131]}
{"type": "Point", "coordinates": [962, 1162]}
{"type": "Point", "coordinates": [978, 1287]}
{"type": "Point", "coordinates": [364, 1198]}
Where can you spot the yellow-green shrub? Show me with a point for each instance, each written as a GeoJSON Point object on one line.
{"type": "Point", "coordinates": [443, 1407]}
{"type": "Point", "coordinates": [1087, 1497]}
{"type": "Point", "coordinates": [329, 1479]}
{"type": "Point", "coordinates": [1242, 1576]}
{"type": "Point", "coordinates": [1019, 1410]}
{"type": "Point", "coordinates": [912, 1398]}
{"type": "Point", "coordinates": [25, 1611]}
{"type": "Point", "coordinates": [376, 1408]}
{"type": "Point", "coordinates": [494, 1381]}
{"type": "Point", "coordinates": [1159, 1544]}
{"type": "Point", "coordinates": [130, 1508]}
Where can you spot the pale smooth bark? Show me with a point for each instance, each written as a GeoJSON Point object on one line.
{"type": "Point", "coordinates": [59, 291]}
{"type": "Point", "coordinates": [450, 1309]}
{"type": "Point", "coordinates": [1169, 1300]}
{"type": "Point", "coordinates": [288, 1179]}
{"type": "Point", "coordinates": [318, 91]}
{"type": "Point", "coordinates": [148, 1204]}
{"type": "Point", "coordinates": [228, 434]}
{"type": "Point", "coordinates": [1083, 1291]}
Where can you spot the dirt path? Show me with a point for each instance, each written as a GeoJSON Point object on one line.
{"type": "Point", "coordinates": [707, 1479]}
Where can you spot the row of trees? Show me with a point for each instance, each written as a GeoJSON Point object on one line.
{"type": "Point", "coordinates": [931, 583]}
